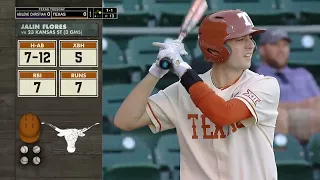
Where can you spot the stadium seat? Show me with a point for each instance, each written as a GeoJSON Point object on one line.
{"type": "Point", "coordinates": [115, 67]}
{"type": "Point", "coordinates": [114, 95]}
{"type": "Point", "coordinates": [110, 109]}
{"type": "Point", "coordinates": [130, 13]}
{"type": "Point", "coordinates": [262, 12]}
{"type": "Point", "coordinates": [127, 157]}
{"type": "Point", "coordinates": [168, 12]}
{"type": "Point", "coordinates": [112, 55]}
{"type": "Point", "coordinates": [314, 149]}
{"type": "Point", "coordinates": [290, 159]}
{"type": "Point", "coordinates": [304, 49]}
{"type": "Point", "coordinates": [308, 10]}
{"type": "Point", "coordinates": [167, 154]}
{"type": "Point", "coordinates": [118, 92]}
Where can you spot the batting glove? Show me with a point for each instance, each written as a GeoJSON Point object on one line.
{"type": "Point", "coordinates": [173, 50]}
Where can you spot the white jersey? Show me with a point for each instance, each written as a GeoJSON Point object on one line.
{"type": "Point", "coordinates": [240, 151]}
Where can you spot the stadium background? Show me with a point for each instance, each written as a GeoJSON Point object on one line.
{"type": "Point", "coordinates": [128, 54]}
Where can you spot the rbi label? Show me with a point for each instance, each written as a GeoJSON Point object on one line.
{"type": "Point", "coordinates": [37, 83]}
{"type": "Point", "coordinates": [80, 53]}
{"type": "Point", "coordinates": [78, 84]}
{"type": "Point", "coordinates": [37, 53]}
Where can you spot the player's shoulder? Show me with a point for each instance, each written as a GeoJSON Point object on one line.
{"type": "Point", "coordinates": [251, 76]}
{"type": "Point", "coordinates": [252, 79]}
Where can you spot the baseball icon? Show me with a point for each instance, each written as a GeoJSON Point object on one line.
{"type": "Point", "coordinates": [24, 160]}
{"type": "Point", "coordinates": [36, 160]}
{"type": "Point", "coordinates": [24, 149]}
{"type": "Point", "coordinates": [36, 149]}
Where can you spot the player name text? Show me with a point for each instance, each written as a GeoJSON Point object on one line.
{"type": "Point", "coordinates": [44, 26]}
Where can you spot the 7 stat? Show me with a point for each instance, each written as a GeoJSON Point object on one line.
{"type": "Point", "coordinates": [49, 54]}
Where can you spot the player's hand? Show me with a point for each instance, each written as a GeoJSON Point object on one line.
{"type": "Point", "coordinates": [173, 50]}
{"type": "Point", "coordinates": [174, 45]}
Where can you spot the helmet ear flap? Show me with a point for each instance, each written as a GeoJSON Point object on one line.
{"type": "Point", "coordinates": [255, 46]}
{"type": "Point", "coordinates": [227, 47]}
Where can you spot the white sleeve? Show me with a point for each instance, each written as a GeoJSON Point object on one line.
{"type": "Point", "coordinates": [161, 110]}
{"type": "Point", "coordinates": [262, 99]}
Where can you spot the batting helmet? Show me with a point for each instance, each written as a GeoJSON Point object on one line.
{"type": "Point", "coordinates": [217, 28]}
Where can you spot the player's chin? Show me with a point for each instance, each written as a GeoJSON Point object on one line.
{"type": "Point", "coordinates": [246, 64]}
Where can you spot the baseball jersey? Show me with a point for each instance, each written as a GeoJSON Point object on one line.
{"type": "Point", "coordinates": [240, 151]}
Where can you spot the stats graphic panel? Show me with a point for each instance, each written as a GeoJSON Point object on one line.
{"type": "Point", "coordinates": [37, 83]}
{"type": "Point", "coordinates": [37, 53]}
{"type": "Point", "coordinates": [78, 53]}
{"type": "Point", "coordinates": [79, 83]}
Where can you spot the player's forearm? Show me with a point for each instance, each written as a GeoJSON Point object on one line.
{"type": "Point", "coordinates": [219, 111]}
{"type": "Point", "coordinates": [135, 104]}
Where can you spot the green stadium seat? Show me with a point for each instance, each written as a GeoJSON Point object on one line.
{"type": "Point", "coordinates": [308, 10]}
{"type": "Point", "coordinates": [168, 12]}
{"type": "Point", "coordinates": [110, 109]}
{"type": "Point", "coordinates": [314, 149]}
{"type": "Point", "coordinates": [290, 159]}
{"type": "Point", "coordinates": [167, 154]}
{"type": "Point", "coordinates": [114, 95]}
{"type": "Point", "coordinates": [302, 50]}
{"type": "Point", "coordinates": [125, 157]}
{"type": "Point", "coordinates": [115, 68]}
{"type": "Point", "coordinates": [262, 12]}
{"type": "Point", "coordinates": [118, 92]}
{"type": "Point", "coordinates": [130, 13]}
{"type": "Point", "coordinates": [113, 56]}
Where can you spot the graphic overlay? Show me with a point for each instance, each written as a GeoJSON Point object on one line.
{"type": "Point", "coordinates": [97, 13]}
{"type": "Point", "coordinates": [110, 13]}
{"type": "Point", "coordinates": [66, 13]}
{"type": "Point", "coordinates": [37, 53]}
{"type": "Point", "coordinates": [37, 83]}
{"type": "Point", "coordinates": [70, 135]}
{"type": "Point", "coordinates": [78, 53]}
{"type": "Point", "coordinates": [78, 83]}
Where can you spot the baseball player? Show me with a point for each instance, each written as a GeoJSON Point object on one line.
{"type": "Point", "coordinates": [225, 118]}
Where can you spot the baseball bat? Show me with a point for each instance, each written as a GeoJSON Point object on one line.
{"type": "Point", "coordinates": [194, 15]}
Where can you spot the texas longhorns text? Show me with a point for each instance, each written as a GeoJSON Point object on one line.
{"type": "Point", "coordinates": [209, 129]}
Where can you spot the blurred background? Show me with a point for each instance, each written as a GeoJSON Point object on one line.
{"type": "Point", "coordinates": [128, 54]}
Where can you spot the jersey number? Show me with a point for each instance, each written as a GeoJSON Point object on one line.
{"type": "Point", "coordinates": [79, 86]}
{"type": "Point", "coordinates": [78, 57]}
{"type": "Point", "coordinates": [44, 57]}
{"type": "Point", "coordinates": [38, 86]}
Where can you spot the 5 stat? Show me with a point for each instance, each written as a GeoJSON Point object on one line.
{"type": "Point", "coordinates": [52, 54]}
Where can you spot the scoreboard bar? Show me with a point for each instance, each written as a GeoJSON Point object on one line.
{"type": "Point", "coordinates": [50, 9]}
{"type": "Point", "coordinates": [82, 14]}
{"type": "Point", "coordinates": [66, 13]}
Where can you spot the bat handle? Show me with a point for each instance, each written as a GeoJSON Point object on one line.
{"type": "Point", "coordinates": [165, 63]}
